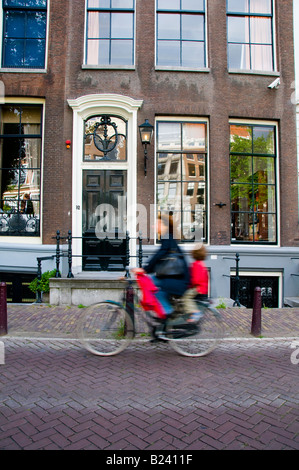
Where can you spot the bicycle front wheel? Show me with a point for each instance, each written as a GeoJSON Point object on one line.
{"type": "Point", "coordinates": [105, 328]}
{"type": "Point", "coordinates": [200, 340]}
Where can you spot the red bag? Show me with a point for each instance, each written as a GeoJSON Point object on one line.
{"type": "Point", "coordinates": [149, 300]}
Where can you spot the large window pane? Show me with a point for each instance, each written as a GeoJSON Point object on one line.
{"type": "Point", "coordinates": [261, 57]}
{"type": "Point", "coordinates": [169, 166]}
{"type": "Point", "coordinates": [238, 6]}
{"type": "Point", "coordinates": [121, 52]}
{"type": "Point", "coordinates": [261, 6]}
{"type": "Point", "coordinates": [24, 34]}
{"type": "Point", "coordinates": [169, 136]}
{"type": "Point", "coordinates": [168, 4]}
{"type": "Point", "coordinates": [34, 52]}
{"type": "Point", "coordinates": [13, 53]}
{"type": "Point", "coordinates": [20, 170]}
{"type": "Point", "coordinates": [239, 56]}
{"type": "Point", "coordinates": [181, 177]}
{"type": "Point", "coordinates": [240, 139]}
{"type": "Point", "coordinates": [263, 140]}
{"type": "Point", "coordinates": [122, 25]}
{"type": "Point", "coordinates": [241, 197]}
{"type": "Point", "coordinates": [180, 36]}
{"type": "Point", "coordinates": [253, 184]}
{"type": "Point", "coordinates": [238, 29]}
{"type": "Point", "coordinates": [260, 30]}
{"type": "Point", "coordinates": [240, 168]}
{"type": "Point", "coordinates": [265, 169]}
{"type": "Point", "coordinates": [194, 136]}
{"type": "Point", "coordinates": [193, 54]}
{"type": "Point", "coordinates": [122, 3]}
{"type": "Point", "coordinates": [168, 26]}
{"type": "Point", "coordinates": [250, 37]}
{"type": "Point", "coordinates": [193, 5]}
{"type": "Point", "coordinates": [110, 34]}
{"type": "Point", "coordinates": [15, 24]}
{"type": "Point", "coordinates": [168, 53]}
{"type": "Point", "coordinates": [100, 25]}
{"type": "Point", "coordinates": [193, 27]}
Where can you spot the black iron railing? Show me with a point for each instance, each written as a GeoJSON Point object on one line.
{"type": "Point", "coordinates": [60, 253]}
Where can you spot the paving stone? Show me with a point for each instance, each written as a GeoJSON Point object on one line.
{"type": "Point", "coordinates": [55, 395]}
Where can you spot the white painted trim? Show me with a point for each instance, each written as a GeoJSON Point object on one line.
{"type": "Point", "coordinates": [83, 108]}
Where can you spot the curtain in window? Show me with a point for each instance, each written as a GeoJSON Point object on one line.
{"type": "Point", "coordinates": [93, 45]}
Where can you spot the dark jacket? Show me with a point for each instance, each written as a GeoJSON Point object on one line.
{"type": "Point", "coordinates": [172, 286]}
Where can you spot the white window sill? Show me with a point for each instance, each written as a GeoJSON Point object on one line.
{"type": "Point", "coordinates": [165, 68]}
{"type": "Point", "coordinates": [107, 67]}
{"type": "Point", "coordinates": [21, 70]}
{"type": "Point", "coordinates": [254, 72]}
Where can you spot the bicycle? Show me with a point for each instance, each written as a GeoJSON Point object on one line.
{"type": "Point", "coordinates": [108, 327]}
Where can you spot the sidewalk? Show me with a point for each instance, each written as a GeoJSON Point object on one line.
{"type": "Point", "coordinates": [54, 395]}
{"type": "Point", "coordinates": [44, 320]}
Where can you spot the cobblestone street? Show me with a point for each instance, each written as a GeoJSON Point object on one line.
{"type": "Point", "coordinates": [55, 395]}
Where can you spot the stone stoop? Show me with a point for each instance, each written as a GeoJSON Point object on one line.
{"type": "Point", "coordinates": [86, 290]}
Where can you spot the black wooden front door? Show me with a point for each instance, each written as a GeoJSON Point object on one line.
{"type": "Point", "coordinates": [104, 222]}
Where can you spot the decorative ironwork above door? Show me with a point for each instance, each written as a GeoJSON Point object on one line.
{"type": "Point", "coordinates": [105, 138]}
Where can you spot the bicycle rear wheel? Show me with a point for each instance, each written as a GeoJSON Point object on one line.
{"type": "Point", "coordinates": [106, 328]}
{"type": "Point", "coordinates": [201, 340]}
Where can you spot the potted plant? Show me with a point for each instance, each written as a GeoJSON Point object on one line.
{"type": "Point", "coordinates": [42, 285]}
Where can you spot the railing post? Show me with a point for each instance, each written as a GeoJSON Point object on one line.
{"type": "Point", "coordinates": [70, 254]}
{"type": "Point", "coordinates": [3, 309]}
{"type": "Point", "coordinates": [140, 251]}
{"type": "Point", "coordinates": [130, 302]}
{"type": "Point", "coordinates": [39, 277]}
{"type": "Point", "coordinates": [57, 253]}
{"type": "Point", "coordinates": [127, 257]}
{"type": "Point", "coordinates": [237, 301]}
{"type": "Point", "coordinates": [256, 324]}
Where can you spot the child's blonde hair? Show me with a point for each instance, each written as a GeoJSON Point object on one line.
{"type": "Point", "coordinates": [199, 253]}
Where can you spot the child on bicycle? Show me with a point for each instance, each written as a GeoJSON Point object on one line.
{"type": "Point", "coordinates": [198, 289]}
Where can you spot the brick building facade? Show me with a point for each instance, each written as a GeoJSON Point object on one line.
{"type": "Point", "coordinates": [199, 71]}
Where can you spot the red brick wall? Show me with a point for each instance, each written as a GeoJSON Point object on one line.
{"type": "Point", "coordinates": [215, 94]}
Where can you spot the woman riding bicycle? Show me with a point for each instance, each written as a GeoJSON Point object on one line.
{"type": "Point", "coordinates": [169, 285]}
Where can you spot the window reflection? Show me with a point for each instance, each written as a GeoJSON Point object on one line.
{"type": "Point", "coordinates": [20, 169]}
{"type": "Point", "coordinates": [181, 176]}
{"type": "Point", "coordinates": [116, 150]}
{"type": "Point", "coordinates": [253, 183]}
{"type": "Point", "coordinates": [24, 33]}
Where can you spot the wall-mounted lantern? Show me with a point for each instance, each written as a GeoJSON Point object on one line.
{"type": "Point", "coordinates": [146, 131]}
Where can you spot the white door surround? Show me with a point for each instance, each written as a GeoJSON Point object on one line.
{"type": "Point", "coordinates": [83, 108]}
